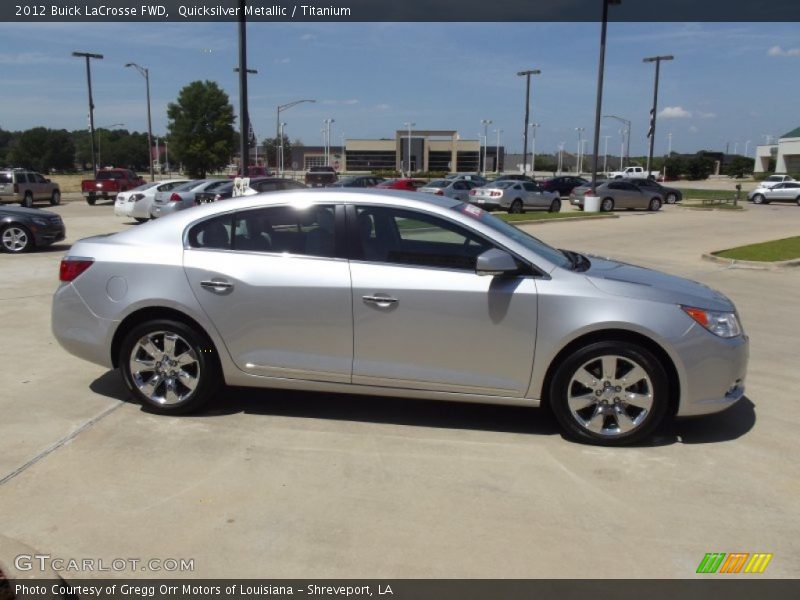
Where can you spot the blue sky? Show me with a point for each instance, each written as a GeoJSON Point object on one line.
{"type": "Point", "coordinates": [728, 82]}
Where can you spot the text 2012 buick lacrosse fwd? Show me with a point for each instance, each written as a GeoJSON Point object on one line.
{"type": "Point", "coordinates": [395, 294]}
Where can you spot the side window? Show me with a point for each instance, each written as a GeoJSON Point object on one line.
{"type": "Point", "coordinates": [267, 186]}
{"type": "Point", "coordinates": [286, 229]}
{"type": "Point", "coordinates": [39, 178]}
{"type": "Point", "coordinates": [411, 238]}
{"type": "Point", "coordinates": [615, 186]}
{"type": "Point", "coordinates": [212, 234]}
{"type": "Point", "coordinates": [530, 187]}
{"type": "Point", "coordinates": [459, 185]}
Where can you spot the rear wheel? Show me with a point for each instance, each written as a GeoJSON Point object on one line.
{"type": "Point", "coordinates": [610, 393]}
{"type": "Point", "coordinates": [27, 200]}
{"type": "Point", "coordinates": [169, 367]}
{"type": "Point", "coordinates": [16, 239]}
{"type": "Point", "coordinates": [655, 204]}
{"type": "Point", "coordinates": [91, 200]}
{"type": "Point", "coordinates": [555, 206]}
{"type": "Point", "coordinates": [607, 205]}
{"type": "Point", "coordinates": [55, 199]}
{"type": "Point", "coordinates": [516, 207]}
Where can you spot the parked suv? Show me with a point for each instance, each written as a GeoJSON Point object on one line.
{"type": "Point", "coordinates": [25, 187]}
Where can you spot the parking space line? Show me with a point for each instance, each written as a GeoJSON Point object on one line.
{"type": "Point", "coordinates": [60, 443]}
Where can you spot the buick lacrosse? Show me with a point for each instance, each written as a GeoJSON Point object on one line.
{"type": "Point", "coordinates": [395, 294]}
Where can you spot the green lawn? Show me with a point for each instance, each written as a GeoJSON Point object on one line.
{"type": "Point", "coordinates": [695, 194]}
{"type": "Point", "coordinates": [700, 206]}
{"type": "Point", "coordinates": [785, 249]}
{"type": "Point", "coordinates": [543, 216]}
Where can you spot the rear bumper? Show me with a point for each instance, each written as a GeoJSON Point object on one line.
{"type": "Point", "coordinates": [79, 331]}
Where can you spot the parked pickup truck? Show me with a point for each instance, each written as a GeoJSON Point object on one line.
{"type": "Point", "coordinates": [109, 183]}
{"type": "Point", "coordinates": [633, 173]}
{"type": "Point", "coordinates": [321, 176]}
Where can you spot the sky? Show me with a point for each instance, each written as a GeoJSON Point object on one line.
{"type": "Point", "coordinates": [729, 83]}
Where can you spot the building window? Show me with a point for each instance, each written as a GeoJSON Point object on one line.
{"type": "Point", "coordinates": [313, 160]}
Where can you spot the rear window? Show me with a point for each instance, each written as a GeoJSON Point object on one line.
{"type": "Point", "coordinates": [106, 175]}
{"type": "Point", "coordinates": [6, 178]}
{"type": "Point", "coordinates": [188, 185]}
{"type": "Point", "coordinates": [506, 183]}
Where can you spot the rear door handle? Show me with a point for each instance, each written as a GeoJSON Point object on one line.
{"type": "Point", "coordinates": [216, 285]}
{"type": "Point", "coordinates": [381, 301]}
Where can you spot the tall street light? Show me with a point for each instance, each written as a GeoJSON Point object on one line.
{"type": "Point", "coordinates": [599, 105]}
{"type": "Point", "coordinates": [281, 108]}
{"type": "Point", "coordinates": [244, 117]}
{"type": "Point", "coordinates": [280, 165]}
{"type": "Point", "coordinates": [533, 127]}
{"type": "Point", "coordinates": [497, 151]}
{"type": "Point", "coordinates": [408, 125]}
{"type": "Point", "coordinates": [626, 139]}
{"type": "Point", "coordinates": [652, 131]}
{"type": "Point", "coordinates": [87, 56]}
{"type": "Point", "coordinates": [327, 123]}
{"type": "Point", "coordinates": [560, 157]}
{"type": "Point", "coordinates": [527, 74]}
{"type": "Point", "coordinates": [144, 72]}
{"type": "Point", "coordinates": [579, 162]}
{"type": "Point", "coordinates": [746, 146]}
{"type": "Point", "coordinates": [485, 123]}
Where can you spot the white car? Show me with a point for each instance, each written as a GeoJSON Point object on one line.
{"type": "Point", "coordinates": [136, 203]}
{"type": "Point", "coordinates": [774, 180]}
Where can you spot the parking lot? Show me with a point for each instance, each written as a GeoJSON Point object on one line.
{"type": "Point", "coordinates": [281, 484]}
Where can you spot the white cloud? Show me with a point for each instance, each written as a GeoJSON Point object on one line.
{"type": "Point", "coordinates": [693, 129]}
{"type": "Point", "coordinates": [779, 51]}
{"type": "Point", "coordinates": [705, 115]}
{"type": "Point", "coordinates": [674, 112]}
{"type": "Point", "coordinates": [382, 106]}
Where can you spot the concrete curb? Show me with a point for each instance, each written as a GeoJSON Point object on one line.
{"type": "Point", "coordinates": [567, 219]}
{"type": "Point", "coordinates": [753, 264]}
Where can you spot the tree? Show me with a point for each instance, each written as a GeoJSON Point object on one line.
{"type": "Point", "coordinates": [201, 133]}
{"type": "Point", "coordinates": [699, 167]}
{"type": "Point", "coordinates": [42, 149]}
{"type": "Point", "coordinates": [271, 149]}
{"type": "Point", "coordinates": [675, 166]}
{"type": "Point", "coordinates": [739, 166]}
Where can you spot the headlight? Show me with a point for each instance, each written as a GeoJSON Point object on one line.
{"type": "Point", "coordinates": [723, 324]}
{"type": "Point", "coordinates": [40, 222]}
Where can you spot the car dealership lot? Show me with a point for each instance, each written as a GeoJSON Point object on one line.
{"type": "Point", "coordinates": [279, 484]}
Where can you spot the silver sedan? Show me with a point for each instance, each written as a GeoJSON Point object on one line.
{"type": "Point", "coordinates": [515, 197]}
{"type": "Point", "coordinates": [457, 189]}
{"type": "Point", "coordinates": [788, 191]}
{"type": "Point", "coordinates": [619, 194]}
{"type": "Point", "coordinates": [397, 294]}
{"type": "Point", "coordinates": [182, 197]}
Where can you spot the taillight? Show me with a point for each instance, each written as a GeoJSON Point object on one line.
{"type": "Point", "coordinates": [72, 267]}
{"type": "Point", "coordinates": [588, 192]}
{"type": "Point", "coordinates": [496, 194]}
{"type": "Point", "coordinates": [473, 193]}
{"type": "Point", "coordinates": [175, 197]}
{"type": "Point", "coordinates": [438, 193]}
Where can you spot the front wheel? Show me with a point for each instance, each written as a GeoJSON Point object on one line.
{"type": "Point", "coordinates": [27, 200]}
{"type": "Point", "coordinates": [55, 199]}
{"type": "Point", "coordinates": [655, 204]}
{"type": "Point", "coordinates": [169, 367]}
{"type": "Point", "coordinates": [555, 206]}
{"type": "Point", "coordinates": [140, 219]}
{"type": "Point", "coordinates": [516, 207]}
{"type": "Point", "coordinates": [671, 199]}
{"type": "Point", "coordinates": [16, 239]}
{"type": "Point", "coordinates": [610, 393]}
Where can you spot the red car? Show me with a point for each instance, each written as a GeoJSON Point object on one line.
{"type": "Point", "coordinates": [109, 183]}
{"type": "Point", "coordinates": [409, 185]}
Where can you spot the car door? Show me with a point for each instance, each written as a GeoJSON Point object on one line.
{"type": "Point", "coordinates": [782, 191]}
{"type": "Point", "coordinates": [630, 196]}
{"type": "Point", "coordinates": [276, 285]}
{"type": "Point", "coordinates": [42, 190]}
{"type": "Point", "coordinates": [423, 319]}
{"type": "Point", "coordinates": [535, 197]}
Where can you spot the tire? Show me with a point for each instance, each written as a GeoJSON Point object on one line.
{"type": "Point", "coordinates": [671, 198]}
{"type": "Point", "coordinates": [607, 205]}
{"type": "Point", "coordinates": [55, 199]}
{"type": "Point", "coordinates": [516, 207]}
{"type": "Point", "coordinates": [27, 200]}
{"type": "Point", "coordinates": [759, 199]}
{"type": "Point", "coordinates": [90, 200]}
{"type": "Point", "coordinates": [590, 403]}
{"type": "Point", "coordinates": [140, 220]}
{"type": "Point", "coordinates": [555, 206]}
{"type": "Point", "coordinates": [655, 205]}
{"type": "Point", "coordinates": [180, 387]}
{"type": "Point", "coordinates": [16, 239]}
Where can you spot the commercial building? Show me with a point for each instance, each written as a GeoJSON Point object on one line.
{"type": "Point", "coordinates": [786, 154]}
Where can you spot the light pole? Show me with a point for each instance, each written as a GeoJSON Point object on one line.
{"type": "Point", "coordinates": [560, 157]}
{"type": "Point", "coordinates": [605, 154]}
{"type": "Point", "coordinates": [533, 149]}
{"type": "Point", "coordinates": [249, 124]}
{"type": "Point", "coordinates": [652, 131]}
{"type": "Point", "coordinates": [735, 148]}
{"type": "Point", "coordinates": [497, 151]}
{"type": "Point", "coordinates": [244, 117]}
{"type": "Point", "coordinates": [579, 162]}
{"type": "Point", "coordinates": [626, 139]}
{"type": "Point", "coordinates": [527, 74]}
{"type": "Point", "coordinates": [87, 56]}
{"type": "Point", "coordinates": [669, 144]}
{"type": "Point", "coordinates": [485, 123]}
{"type": "Point", "coordinates": [144, 72]}
{"type": "Point", "coordinates": [746, 146]}
{"type": "Point", "coordinates": [281, 108]}
{"type": "Point", "coordinates": [328, 123]}
{"type": "Point", "coordinates": [583, 152]}
{"type": "Point", "coordinates": [408, 125]}
{"type": "Point", "coordinates": [280, 165]}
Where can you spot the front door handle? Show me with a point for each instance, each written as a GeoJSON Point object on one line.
{"type": "Point", "coordinates": [380, 301]}
{"type": "Point", "coordinates": [216, 285]}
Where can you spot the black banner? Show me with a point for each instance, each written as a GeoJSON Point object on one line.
{"type": "Point", "coordinates": [399, 10]}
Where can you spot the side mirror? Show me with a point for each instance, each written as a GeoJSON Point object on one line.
{"type": "Point", "coordinates": [495, 262]}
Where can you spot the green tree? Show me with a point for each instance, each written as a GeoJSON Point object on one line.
{"type": "Point", "coordinates": [675, 166]}
{"type": "Point", "coordinates": [201, 133]}
{"type": "Point", "coordinates": [272, 147]}
{"type": "Point", "coordinates": [699, 167]}
{"type": "Point", "coordinates": [739, 166]}
{"type": "Point", "coordinates": [42, 149]}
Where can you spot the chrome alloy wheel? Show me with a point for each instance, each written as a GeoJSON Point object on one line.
{"type": "Point", "coordinates": [164, 367]}
{"type": "Point", "coordinates": [15, 239]}
{"type": "Point", "coordinates": [610, 395]}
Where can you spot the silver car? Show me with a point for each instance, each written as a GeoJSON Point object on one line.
{"type": "Point", "coordinates": [788, 191]}
{"type": "Point", "coordinates": [395, 294]}
{"type": "Point", "coordinates": [515, 197]}
{"type": "Point", "coordinates": [182, 197]}
{"type": "Point", "coordinates": [26, 187]}
{"type": "Point", "coordinates": [458, 189]}
{"type": "Point", "coordinates": [619, 194]}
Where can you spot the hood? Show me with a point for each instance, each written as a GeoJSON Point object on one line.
{"type": "Point", "coordinates": [26, 212]}
{"type": "Point", "coordinates": [621, 279]}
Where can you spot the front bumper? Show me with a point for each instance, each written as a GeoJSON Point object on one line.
{"type": "Point", "coordinates": [79, 331]}
{"type": "Point", "coordinates": [44, 236]}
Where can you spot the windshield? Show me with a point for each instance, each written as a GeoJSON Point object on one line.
{"type": "Point", "coordinates": [774, 178]}
{"type": "Point", "coordinates": [531, 243]}
{"type": "Point", "coordinates": [440, 183]}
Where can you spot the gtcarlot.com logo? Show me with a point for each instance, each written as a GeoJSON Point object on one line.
{"type": "Point", "coordinates": [735, 562]}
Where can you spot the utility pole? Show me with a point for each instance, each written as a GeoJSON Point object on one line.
{"type": "Point", "coordinates": [579, 157]}
{"type": "Point", "coordinates": [497, 151]}
{"type": "Point", "coordinates": [533, 149]}
{"type": "Point", "coordinates": [560, 157]}
{"type": "Point", "coordinates": [605, 154]}
{"type": "Point", "coordinates": [408, 125]}
{"type": "Point", "coordinates": [652, 132]}
{"type": "Point", "coordinates": [527, 74]}
{"type": "Point", "coordinates": [87, 56]}
{"type": "Point", "coordinates": [146, 74]}
{"type": "Point", "coordinates": [244, 118]}
{"type": "Point", "coordinates": [486, 123]}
